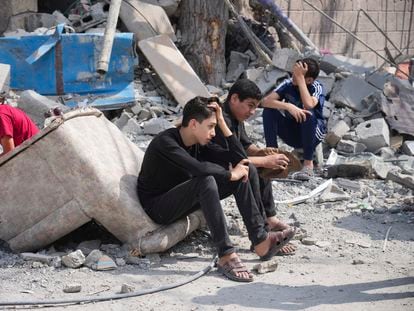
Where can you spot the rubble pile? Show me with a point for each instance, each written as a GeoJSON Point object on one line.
{"type": "Point", "coordinates": [368, 150]}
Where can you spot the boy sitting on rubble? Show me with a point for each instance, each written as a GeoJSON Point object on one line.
{"type": "Point", "coordinates": [294, 113]}
{"type": "Point", "coordinates": [15, 126]}
{"type": "Point", "coordinates": [178, 176]}
{"type": "Point", "coordinates": [241, 103]}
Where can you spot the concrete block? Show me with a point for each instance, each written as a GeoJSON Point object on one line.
{"type": "Point", "coordinates": [268, 78]}
{"type": "Point", "coordinates": [237, 65]}
{"type": "Point", "coordinates": [336, 133]}
{"type": "Point", "coordinates": [285, 58]}
{"type": "Point", "coordinates": [408, 147]}
{"type": "Point", "coordinates": [156, 126]}
{"type": "Point", "coordinates": [74, 259]}
{"type": "Point", "coordinates": [4, 78]}
{"type": "Point", "coordinates": [406, 180]}
{"type": "Point", "coordinates": [132, 126]}
{"type": "Point", "coordinates": [123, 119]}
{"type": "Point", "coordinates": [337, 63]}
{"type": "Point", "coordinates": [374, 134]}
{"type": "Point", "coordinates": [350, 146]}
{"type": "Point", "coordinates": [350, 92]}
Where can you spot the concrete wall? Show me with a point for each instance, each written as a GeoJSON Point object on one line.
{"type": "Point", "coordinates": [13, 7]}
{"type": "Point", "coordinates": [395, 17]}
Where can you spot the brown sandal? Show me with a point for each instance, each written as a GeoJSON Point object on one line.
{"type": "Point", "coordinates": [278, 240]}
{"type": "Point", "coordinates": [231, 268]}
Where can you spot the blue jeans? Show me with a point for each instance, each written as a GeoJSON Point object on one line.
{"type": "Point", "coordinates": [306, 135]}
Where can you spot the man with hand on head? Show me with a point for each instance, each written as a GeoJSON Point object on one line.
{"type": "Point", "coordinates": [178, 176]}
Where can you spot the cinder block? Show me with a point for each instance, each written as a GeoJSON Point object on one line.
{"type": "Point", "coordinates": [337, 131]}
{"type": "Point", "coordinates": [350, 146]}
{"type": "Point", "coordinates": [4, 78]}
{"type": "Point", "coordinates": [408, 147]}
{"type": "Point", "coordinates": [374, 134]}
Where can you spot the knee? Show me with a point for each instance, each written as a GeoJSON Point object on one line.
{"type": "Point", "coordinates": [253, 174]}
{"type": "Point", "coordinates": [207, 184]}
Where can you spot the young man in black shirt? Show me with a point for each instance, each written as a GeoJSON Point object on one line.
{"type": "Point", "coordinates": [242, 101]}
{"type": "Point", "coordinates": [178, 175]}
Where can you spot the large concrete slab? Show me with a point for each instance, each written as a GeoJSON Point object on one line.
{"type": "Point", "coordinates": [145, 20]}
{"type": "Point", "coordinates": [173, 69]}
{"type": "Point", "coordinates": [338, 63]}
{"type": "Point", "coordinates": [350, 92]}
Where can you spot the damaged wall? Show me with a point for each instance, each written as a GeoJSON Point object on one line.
{"type": "Point", "coordinates": [394, 17]}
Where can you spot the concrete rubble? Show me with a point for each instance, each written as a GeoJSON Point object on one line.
{"type": "Point", "coordinates": [368, 152]}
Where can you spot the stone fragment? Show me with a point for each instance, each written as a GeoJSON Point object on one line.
{"type": "Point", "coordinates": [38, 257]}
{"type": "Point", "coordinates": [374, 134]}
{"type": "Point", "coordinates": [285, 58]}
{"type": "Point", "coordinates": [403, 179]}
{"type": "Point", "coordinates": [88, 246]}
{"type": "Point", "coordinates": [120, 262]}
{"type": "Point", "coordinates": [72, 288]}
{"type": "Point", "coordinates": [358, 262]}
{"type": "Point", "coordinates": [351, 147]}
{"type": "Point", "coordinates": [132, 127]}
{"type": "Point", "coordinates": [309, 241]}
{"type": "Point", "coordinates": [323, 244]}
{"type": "Point", "coordinates": [348, 184]}
{"type": "Point", "coordinates": [237, 65]}
{"type": "Point", "coordinates": [105, 263]}
{"type": "Point", "coordinates": [350, 92]}
{"type": "Point", "coordinates": [408, 147]}
{"type": "Point", "coordinates": [4, 78]}
{"type": "Point", "coordinates": [74, 259]}
{"type": "Point", "coordinates": [338, 63]}
{"type": "Point", "coordinates": [268, 79]}
{"type": "Point", "coordinates": [386, 153]}
{"type": "Point", "coordinates": [93, 258]}
{"type": "Point", "coordinates": [136, 109]}
{"type": "Point", "coordinates": [266, 267]}
{"type": "Point", "coordinates": [123, 119]}
{"type": "Point", "coordinates": [155, 126]}
{"type": "Point", "coordinates": [333, 194]}
{"type": "Point", "coordinates": [336, 133]}
{"type": "Point", "coordinates": [126, 288]}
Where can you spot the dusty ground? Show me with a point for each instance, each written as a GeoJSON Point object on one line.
{"type": "Point", "coordinates": [347, 271]}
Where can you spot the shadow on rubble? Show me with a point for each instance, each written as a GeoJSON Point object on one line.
{"type": "Point", "coordinates": [376, 226]}
{"type": "Point", "coordinates": [283, 297]}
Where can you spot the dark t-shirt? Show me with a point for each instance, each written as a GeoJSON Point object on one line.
{"type": "Point", "coordinates": [16, 124]}
{"type": "Point", "coordinates": [168, 163]}
{"type": "Point", "coordinates": [290, 93]}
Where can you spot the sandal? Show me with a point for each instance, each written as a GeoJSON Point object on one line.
{"type": "Point", "coordinates": [304, 174]}
{"type": "Point", "coordinates": [278, 240]}
{"type": "Point", "coordinates": [231, 268]}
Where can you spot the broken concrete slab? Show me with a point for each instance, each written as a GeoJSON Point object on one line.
{"type": "Point", "coordinates": [406, 180]}
{"type": "Point", "coordinates": [285, 58]}
{"type": "Point", "coordinates": [338, 63]}
{"type": "Point", "coordinates": [74, 260]}
{"type": "Point", "coordinates": [123, 119]}
{"type": "Point", "coordinates": [327, 81]}
{"type": "Point", "coordinates": [132, 126]}
{"type": "Point", "coordinates": [350, 92]}
{"type": "Point", "coordinates": [336, 133]}
{"type": "Point", "coordinates": [36, 105]}
{"type": "Point", "coordinates": [408, 147]}
{"type": "Point", "coordinates": [266, 267]}
{"type": "Point", "coordinates": [145, 20]}
{"type": "Point", "coordinates": [174, 70]}
{"type": "Point", "coordinates": [268, 78]}
{"type": "Point", "coordinates": [332, 194]}
{"type": "Point", "coordinates": [237, 65]}
{"type": "Point", "coordinates": [351, 147]}
{"type": "Point", "coordinates": [60, 155]}
{"type": "Point", "coordinates": [156, 126]}
{"type": "Point", "coordinates": [374, 134]}
{"type": "Point", "coordinates": [4, 78]}
{"type": "Point", "coordinates": [378, 79]}
{"type": "Point", "coordinates": [399, 114]}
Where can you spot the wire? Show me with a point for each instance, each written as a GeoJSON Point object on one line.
{"type": "Point", "coordinates": [45, 303]}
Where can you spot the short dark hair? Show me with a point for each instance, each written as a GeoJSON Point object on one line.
{"type": "Point", "coordinates": [197, 108]}
{"type": "Point", "coordinates": [245, 89]}
{"type": "Point", "coordinates": [313, 68]}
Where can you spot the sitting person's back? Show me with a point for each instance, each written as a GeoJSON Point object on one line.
{"type": "Point", "coordinates": [15, 127]}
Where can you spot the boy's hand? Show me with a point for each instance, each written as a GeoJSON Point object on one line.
{"type": "Point", "coordinates": [240, 171]}
{"type": "Point", "coordinates": [276, 161]}
{"type": "Point", "coordinates": [298, 114]}
{"type": "Point", "coordinates": [218, 110]}
{"type": "Point", "coordinates": [300, 69]}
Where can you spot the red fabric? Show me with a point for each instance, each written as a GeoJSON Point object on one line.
{"type": "Point", "coordinates": [15, 123]}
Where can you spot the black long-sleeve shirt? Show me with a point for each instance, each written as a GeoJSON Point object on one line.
{"type": "Point", "coordinates": [168, 163]}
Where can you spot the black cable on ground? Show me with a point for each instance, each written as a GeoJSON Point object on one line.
{"type": "Point", "coordinates": [48, 303]}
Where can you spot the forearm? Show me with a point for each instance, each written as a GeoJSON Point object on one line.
{"type": "Point", "coordinates": [306, 98]}
{"type": "Point", "coordinates": [275, 104]}
{"type": "Point", "coordinates": [257, 161]}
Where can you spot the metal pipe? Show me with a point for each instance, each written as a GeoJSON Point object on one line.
{"type": "Point", "coordinates": [289, 24]}
{"type": "Point", "coordinates": [380, 30]}
{"type": "Point", "coordinates": [352, 35]}
{"type": "Point", "coordinates": [110, 29]}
